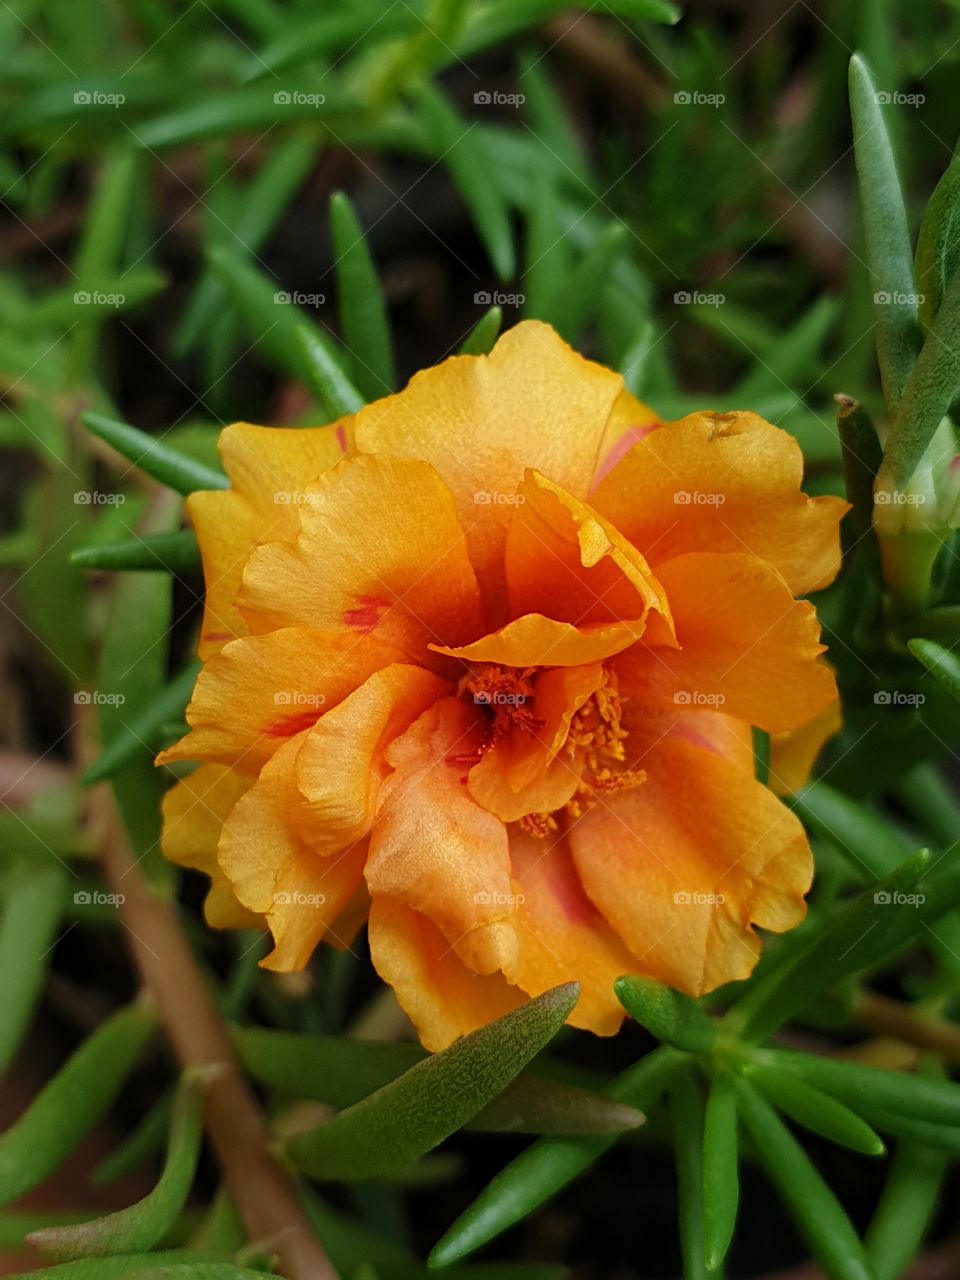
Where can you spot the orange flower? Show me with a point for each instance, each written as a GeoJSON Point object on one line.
{"type": "Point", "coordinates": [481, 667]}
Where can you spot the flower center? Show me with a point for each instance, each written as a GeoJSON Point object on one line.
{"type": "Point", "coordinates": [594, 745]}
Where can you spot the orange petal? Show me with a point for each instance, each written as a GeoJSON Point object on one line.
{"type": "Point", "coordinates": [275, 873]}
{"type": "Point", "coordinates": [269, 469]}
{"type": "Point", "coordinates": [684, 865]}
{"type": "Point", "coordinates": [379, 552]}
{"type": "Point", "coordinates": [565, 561]}
{"type": "Point", "coordinates": [563, 937]}
{"type": "Point", "coordinates": [793, 754]}
{"type": "Point", "coordinates": [439, 994]}
{"type": "Point", "coordinates": [434, 848]}
{"type": "Point", "coordinates": [342, 762]}
{"type": "Point", "coordinates": [260, 690]}
{"type": "Point", "coordinates": [746, 646]}
{"type": "Point", "coordinates": [482, 420]}
{"type": "Point", "coordinates": [193, 815]}
{"type": "Point", "coordinates": [724, 482]}
{"type": "Point", "coordinates": [525, 771]}
{"type": "Point", "coordinates": [534, 640]}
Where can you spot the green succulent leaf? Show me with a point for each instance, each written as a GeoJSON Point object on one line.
{"type": "Point", "coordinates": [484, 333]}
{"type": "Point", "coordinates": [818, 1214]}
{"type": "Point", "coordinates": [364, 324]}
{"type": "Point", "coordinates": [159, 552]}
{"type": "Point", "coordinates": [333, 388]}
{"type": "Point", "coordinates": [72, 1103]}
{"type": "Point", "coordinates": [341, 1072]}
{"type": "Point", "coordinates": [144, 1224]}
{"type": "Point", "coordinates": [721, 1170]}
{"type": "Point", "coordinates": [814, 1109]}
{"type": "Point", "coordinates": [686, 1120]}
{"type": "Point", "coordinates": [668, 1014]}
{"type": "Point", "coordinates": [451, 140]}
{"type": "Point", "coordinates": [938, 248]}
{"type": "Point", "coordinates": [395, 1126]}
{"type": "Point", "coordinates": [32, 909]}
{"type": "Point", "coordinates": [889, 249]}
{"type": "Point", "coordinates": [171, 468]}
{"type": "Point", "coordinates": [941, 662]}
{"type": "Point", "coordinates": [545, 1168]}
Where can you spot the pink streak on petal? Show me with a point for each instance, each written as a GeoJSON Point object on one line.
{"type": "Point", "coordinates": [367, 615]}
{"type": "Point", "coordinates": [342, 437]}
{"type": "Point", "coordinates": [632, 436]}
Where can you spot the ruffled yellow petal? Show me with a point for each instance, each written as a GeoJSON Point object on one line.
{"type": "Point", "coordinates": [275, 873]}
{"type": "Point", "coordinates": [258, 691]}
{"type": "Point", "coordinates": [342, 763]}
{"type": "Point", "coordinates": [269, 470]}
{"type": "Point", "coordinates": [380, 552]}
{"type": "Point", "coordinates": [562, 935]}
{"type": "Point", "coordinates": [747, 647]}
{"type": "Point", "coordinates": [439, 994]}
{"type": "Point", "coordinates": [534, 640]}
{"type": "Point", "coordinates": [686, 864]}
{"type": "Point", "coordinates": [793, 754]}
{"type": "Point", "coordinates": [724, 482]}
{"type": "Point", "coordinates": [434, 848]}
{"type": "Point", "coordinates": [483, 420]}
{"type": "Point", "coordinates": [565, 561]}
{"type": "Point", "coordinates": [194, 810]}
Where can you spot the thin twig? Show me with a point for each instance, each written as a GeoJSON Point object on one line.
{"type": "Point", "coordinates": [887, 1017]}
{"type": "Point", "coordinates": [265, 1193]}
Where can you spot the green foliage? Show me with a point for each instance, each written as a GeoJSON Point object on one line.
{"type": "Point", "coordinates": [400, 1122]}
{"type": "Point", "coordinates": [191, 154]}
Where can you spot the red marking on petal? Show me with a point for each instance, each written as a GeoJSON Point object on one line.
{"type": "Point", "coordinates": [342, 437]}
{"type": "Point", "coordinates": [632, 436]}
{"type": "Point", "coordinates": [217, 637]}
{"type": "Point", "coordinates": [293, 724]}
{"type": "Point", "coordinates": [367, 615]}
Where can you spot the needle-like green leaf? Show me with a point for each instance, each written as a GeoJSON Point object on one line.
{"type": "Point", "coordinates": [331, 385]}
{"type": "Point", "coordinates": [668, 1014]}
{"type": "Point", "coordinates": [450, 138]}
{"type": "Point", "coordinates": [144, 1224]}
{"type": "Point", "coordinates": [163, 552]}
{"type": "Point", "coordinates": [889, 250]}
{"type": "Point", "coordinates": [364, 324]}
{"type": "Point", "coordinates": [942, 663]}
{"type": "Point", "coordinates": [483, 334]}
{"type": "Point", "coordinates": [340, 1072]}
{"type": "Point", "coordinates": [721, 1171]}
{"type": "Point", "coordinates": [69, 1106]}
{"type": "Point", "coordinates": [155, 458]}
{"type": "Point", "coordinates": [813, 1206]}
{"type": "Point", "coordinates": [686, 1121]}
{"type": "Point", "coordinates": [938, 248]}
{"type": "Point", "coordinates": [546, 1167]}
{"type": "Point", "coordinates": [814, 1109]}
{"type": "Point", "coordinates": [906, 1208]}
{"type": "Point", "coordinates": [138, 735]}
{"type": "Point", "coordinates": [32, 909]}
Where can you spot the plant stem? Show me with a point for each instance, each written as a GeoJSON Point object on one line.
{"type": "Point", "coordinates": [265, 1193]}
{"type": "Point", "coordinates": [887, 1017]}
